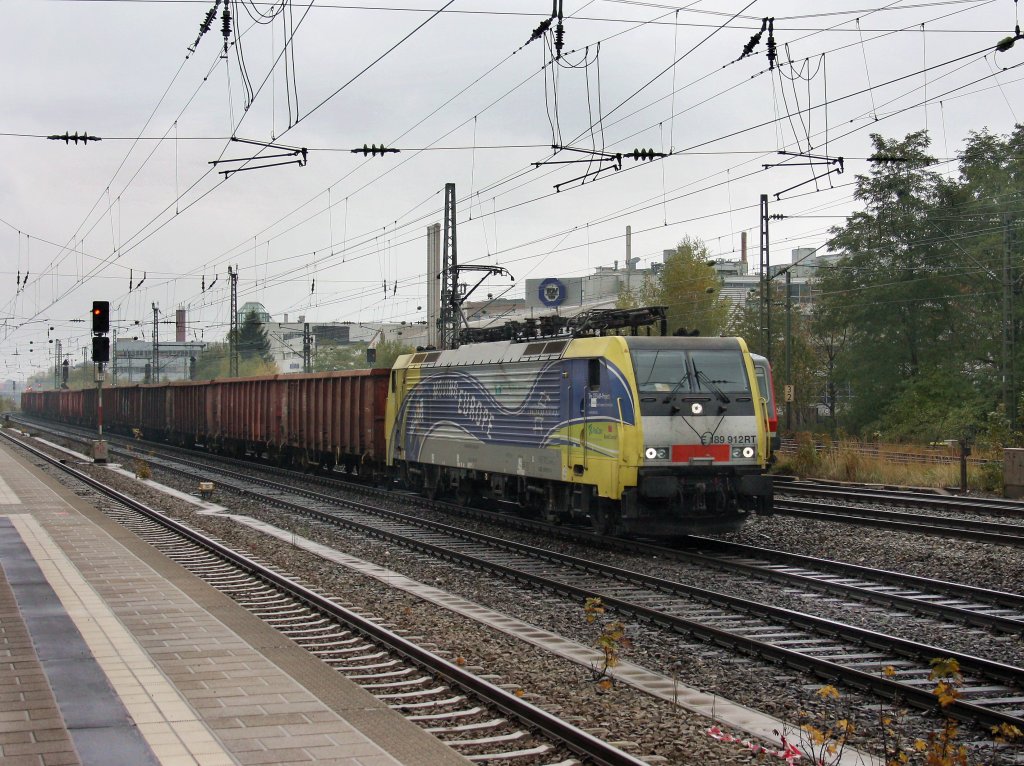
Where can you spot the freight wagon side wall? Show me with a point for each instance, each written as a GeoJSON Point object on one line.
{"type": "Point", "coordinates": [336, 416]}
{"type": "Point", "coordinates": [186, 402]}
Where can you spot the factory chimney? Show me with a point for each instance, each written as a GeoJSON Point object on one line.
{"type": "Point", "coordinates": [433, 283]}
{"type": "Point", "coordinates": [179, 325]}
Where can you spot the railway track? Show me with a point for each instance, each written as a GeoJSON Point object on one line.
{"type": "Point", "coordinates": [987, 506]}
{"type": "Point", "coordinates": [993, 609]}
{"type": "Point", "coordinates": [482, 721]}
{"type": "Point", "coordinates": [993, 692]}
{"type": "Point", "coordinates": [948, 601]}
{"type": "Point", "coordinates": [929, 524]}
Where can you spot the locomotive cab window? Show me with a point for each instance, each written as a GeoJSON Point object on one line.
{"type": "Point", "coordinates": [722, 370]}
{"type": "Point", "coordinates": [678, 371]}
{"type": "Point", "coordinates": [661, 371]}
{"type": "Point", "coordinates": [594, 374]}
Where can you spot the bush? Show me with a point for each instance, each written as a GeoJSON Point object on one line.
{"type": "Point", "coordinates": [990, 476]}
{"type": "Point", "coordinates": [806, 461]}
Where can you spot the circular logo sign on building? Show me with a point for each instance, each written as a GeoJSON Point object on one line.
{"type": "Point", "coordinates": [551, 292]}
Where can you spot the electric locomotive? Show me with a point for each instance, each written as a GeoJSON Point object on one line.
{"type": "Point", "coordinates": [648, 436]}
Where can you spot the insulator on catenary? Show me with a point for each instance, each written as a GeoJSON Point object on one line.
{"type": "Point", "coordinates": [645, 154]}
{"type": "Point", "coordinates": [225, 25]}
{"type": "Point", "coordinates": [375, 150]}
{"type": "Point", "coordinates": [208, 21]}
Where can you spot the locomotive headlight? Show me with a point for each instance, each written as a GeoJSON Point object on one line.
{"type": "Point", "coordinates": [697, 408]}
{"type": "Point", "coordinates": [748, 452]}
{"type": "Point", "coordinates": [656, 453]}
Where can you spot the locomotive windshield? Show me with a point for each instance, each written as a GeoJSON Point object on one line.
{"type": "Point", "coordinates": [673, 371]}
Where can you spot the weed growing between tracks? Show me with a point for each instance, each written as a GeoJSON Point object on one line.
{"type": "Point", "coordinates": [824, 734]}
{"type": "Point", "coordinates": [611, 641]}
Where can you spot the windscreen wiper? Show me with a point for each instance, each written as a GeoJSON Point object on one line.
{"type": "Point", "coordinates": [718, 392]}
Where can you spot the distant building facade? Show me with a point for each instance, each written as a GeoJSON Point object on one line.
{"type": "Point", "coordinates": [131, 358]}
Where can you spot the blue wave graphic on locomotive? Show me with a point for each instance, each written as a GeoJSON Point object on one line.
{"type": "Point", "coordinates": [456, 398]}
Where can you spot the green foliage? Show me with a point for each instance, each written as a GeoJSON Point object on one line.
{"type": "Point", "coordinates": [353, 357]}
{"type": "Point", "coordinates": [805, 462]}
{"type": "Point", "coordinates": [688, 286]}
{"type": "Point", "coordinates": [931, 406]}
{"type": "Point", "coordinates": [215, 362]}
{"type": "Point", "coordinates": [910, 330]}
{"type": "Point", "coordinates": [7, 404]}
{"type": "Point", "coordinates": [990, 476]}
{"type": "Point", "coordinates": [389, 350]}
{"type": "Point", "coordinates": [331, 357]}
{"type": "Point", "coordinates": [252, 339]}
{"type": "Point", "coordinates": [808, 380]}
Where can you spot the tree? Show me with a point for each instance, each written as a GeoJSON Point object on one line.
{"type": "Point", "coordinates": [828, 341]}
{"type": "Point", "coordinates": [688, 286]}
{"type": "Point", "coordinates": [252, 339]}
{"type": "Point", "coordinates": [746, 323]}
{"type": "Point", "coordinates": [389, 350]}
{"type": "Point", "coordinates": [215, 362]}
{"type": "Point", "coordinates": [333, 357]}
{"type": "Point", "coordinates": [897, 291]}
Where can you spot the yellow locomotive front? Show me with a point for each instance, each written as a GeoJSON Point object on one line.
{"type": "Point", "coordinates": [704, 443]}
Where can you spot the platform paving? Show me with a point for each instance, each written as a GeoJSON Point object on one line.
{"type": "Point", "coordinates": [111, 653]}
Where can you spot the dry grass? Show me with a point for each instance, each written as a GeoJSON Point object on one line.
{"type": "Point", "coordinates": [901, 465]}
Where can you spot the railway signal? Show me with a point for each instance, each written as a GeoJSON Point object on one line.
{"type": "Point", "coordinates": [100, 349]}
{"type": "Point", "coordinates": [100, 355]}
{"type": "Point", "coordinates": [101, 316]}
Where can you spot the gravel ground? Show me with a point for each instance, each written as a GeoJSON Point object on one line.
{"type": "Point", "coordinates": [623, 714]}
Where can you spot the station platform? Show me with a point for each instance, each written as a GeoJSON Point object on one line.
{"type": "Point", "coordinates": [111, 654]}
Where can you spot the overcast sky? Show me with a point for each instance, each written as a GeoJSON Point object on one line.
{"type": "Point", "coordinates": [466, 100]}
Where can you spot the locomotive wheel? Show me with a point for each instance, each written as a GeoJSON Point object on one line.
{"type": "Point", "coordinates": [431, 482]}
{"type": "Point", "coordinates": [465, 493]}
{"type": "Point", "coordinates": [604, 517]}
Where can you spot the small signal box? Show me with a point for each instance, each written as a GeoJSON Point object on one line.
{"type": "Point", "coordinates": [101, 316]}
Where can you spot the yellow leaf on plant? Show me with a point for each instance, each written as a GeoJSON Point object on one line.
{"type": "Point", "coordinates": [920, 745]}
{"type": "Point", "coordinates": [519, 692]}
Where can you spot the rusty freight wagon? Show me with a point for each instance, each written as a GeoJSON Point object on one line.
{"type": "Point", "coordinates": [327, 419]}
